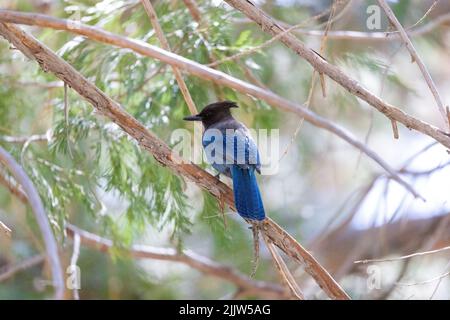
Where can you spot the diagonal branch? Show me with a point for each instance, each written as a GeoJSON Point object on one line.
{"type": "Point", "coordinates": [415, 57]}
{"type": "Point", "coordinates": [10, 271]}
{"type": "Point", "coordinates": [5, 229]}
{"type": "Point", "coordinates": [193, 9]}
{"type": "Point", "coordinates": [49, 61]}
{"type": "Point", "coordinates": [42, 219]}
{"type": "Point", "coordinates": [227, 80]}
{"type": "Point", "coordinates": [165, 45]}
{"type": "Point", "coordinates": [285, 274]}
{"type": "Point", "coordinates": [268, 24]}
{"type": "Point", "coordinates": [12, 186]}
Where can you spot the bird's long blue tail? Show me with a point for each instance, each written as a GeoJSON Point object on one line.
{"type": "Point", "coordinates": [247, 197]}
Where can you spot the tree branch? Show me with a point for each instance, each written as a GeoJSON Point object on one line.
{"type": "Point", "coordinates": [415, 57]}
{"type": "Point", "coordinates": [165, 45]}
{"type": "Point", "coordinates": [187, 257]}
{"type": "Point", "coordinates": [5, 229]}
{"type": "Point", "coordinates": [227, 80]}
{"type": "Point", "coordinates": [365, 36]}
{"type": "Point", "coordinates": [193, 10]}
{"type": "Point", "coordinates": [41, 217]}
{"type": "Point", "coordinates": [269, 25]}
{"type": "Point", "coordinates": [409, 256]}
{"type": "Point", "coordinates": [285, 275]}
{"type": "Point", "coordinates": [49, 61]}
{"type": "Point", "coordinates": [12, 186]}
{"type": "Point", "coordinates": [10, 271]}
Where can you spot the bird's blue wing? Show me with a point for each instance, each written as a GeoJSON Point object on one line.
{"type": "Point", "coordinates": [231, 147]}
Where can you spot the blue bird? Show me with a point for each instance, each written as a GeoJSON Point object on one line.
{"type": "Point", "coordinates": [231, 151]}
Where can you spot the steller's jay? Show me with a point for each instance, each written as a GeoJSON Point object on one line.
{"type": "Point", "coordinates": [231, 151]}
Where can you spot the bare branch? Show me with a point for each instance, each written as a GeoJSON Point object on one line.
{"type": "Point", "coordinates": [49, 61]}
{"type": "Point", "coordinates": [165, 45]}
{"type": "Point", "coordinates": [35, 137]}
{"type": "Point", "coordinates": [239, 85]}
{"type": "Point", "coordinates": [10, 271]}
{"type": "Point", "coordinates": [286, 275]}
{"type": "Point", "coordinates": [295, 250]}
{"type": "Point", "coordinates": [193, 10]}
{"type": "Point", "coordinates": [412, 255]}
{"type": "Point", "coordinates": [5, 229]}
{"type": "Point", "coordinates": [415, 57]}
{"type": "Point", "coordinates": [367, 36]}
{"type": "Point", "coordinates": [446, 274]}
{"type": "Point", "coordinates": [187, 257]}
{"type": "Point", "coordinates": [268, 42]}
{"type": "Point", "coordinates": [41, 217]}
{"type": "Point", "coordinates": [269, 25]}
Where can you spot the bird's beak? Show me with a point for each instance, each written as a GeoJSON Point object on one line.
{"type": "Point", "coordinates": [193, 118]}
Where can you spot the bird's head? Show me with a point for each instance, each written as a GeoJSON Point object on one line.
{"type": "Point", "coordinates": [213, 113]}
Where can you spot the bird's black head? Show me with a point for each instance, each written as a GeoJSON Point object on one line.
{"type": "Point", "coordinates": [213, 113]}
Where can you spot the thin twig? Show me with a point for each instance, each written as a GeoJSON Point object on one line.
{"type": "Point", "coordinates": [415, 57]}
{"type": "Point", "coordinates": [313, 81]}
{"type": "Point", "coordinates": [41, 217]}
{"type": "Point", "coordinates": [10, 271]}
{"type": "Point", "coordinates": [368, 36]}
{"type": "Point", "coordinates": [446, 274]}
{"type": "Point", "coordinates": [417, 254]}
{"type": "Point", "coordinates": [284, 272]}
{"type": "Point", "coordinates": [74, 260]}
{"type": "Point", "coordinates": [267, 43]}
{"type": "Point", "coordinates": [5, 229]}
{"type": "Point", "coordinates": [165, 45]}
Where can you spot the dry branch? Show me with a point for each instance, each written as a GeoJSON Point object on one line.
{"type": "Point", "coordinates": [408, 256]}
{"type": "Point", "coordinates": [10, 271]}
{"type": "Point", "coordinates": [285, 274]}
{"type": "Point", "coordinates": [5, 229]}
{"type": "Point", "coordinates": [41, 217]}
{"type": "Point", "coordinates": [187, 257]}
{"type": "Point", "coordinates": [193, 9]}
{"type": "Point", "coordinates": [49, 61]}
{"type": "Point", "coordinates": [227, 80]}
{"type": "Point", "coordinates": [12, 186]}
{"type": "Point", "coordinates": [165, 45]}
{"type": "Point", "coordinates": [268, 24]}
{"type": "Point", "coordinates": [366, 36]}
{"type": "Point", "coordinates": [415, 57]}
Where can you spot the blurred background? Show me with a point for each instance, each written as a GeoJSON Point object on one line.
{"type": "Point", "coordinates": [334, 200]}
